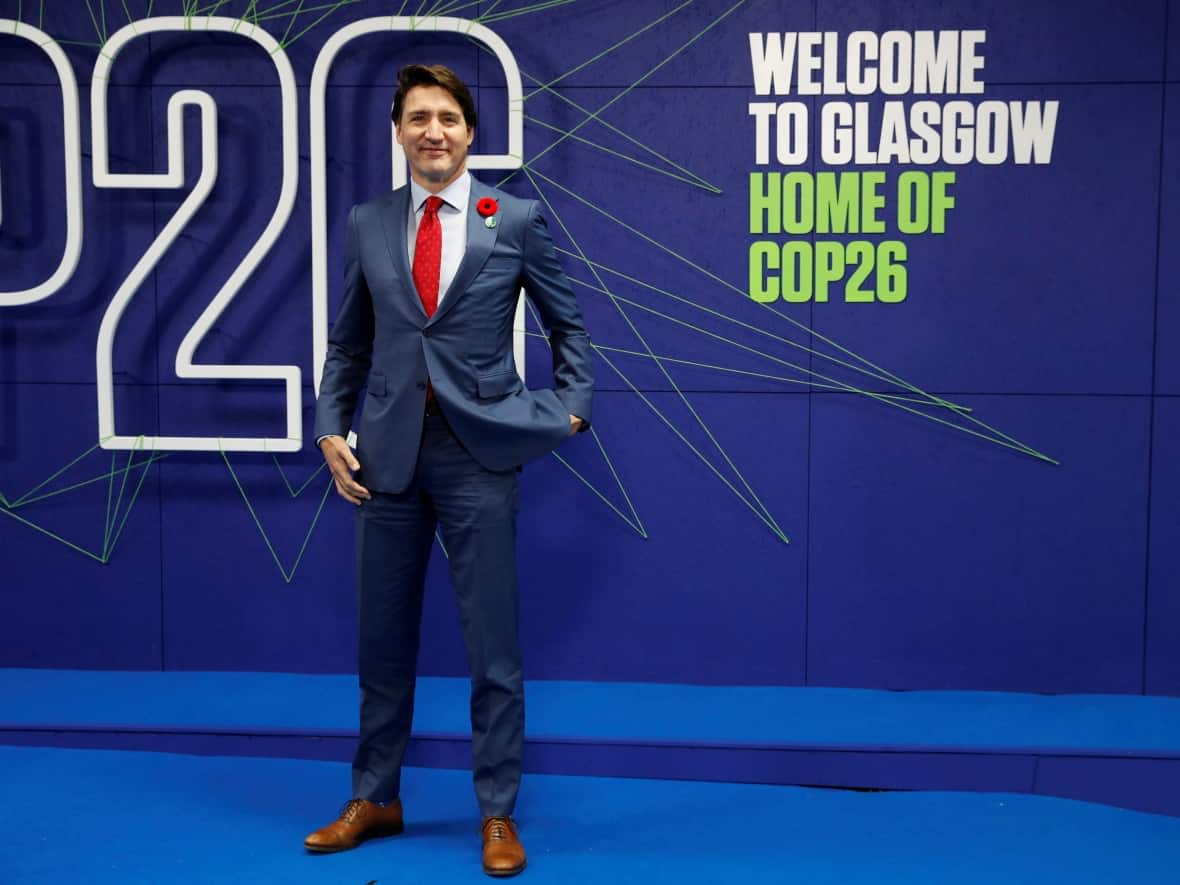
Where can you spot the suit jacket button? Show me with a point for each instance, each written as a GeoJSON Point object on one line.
{"type": "Point", "coordinates": [421, 385]}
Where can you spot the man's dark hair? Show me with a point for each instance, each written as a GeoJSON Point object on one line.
{"type": "Point", "coordinates": [433, 75]}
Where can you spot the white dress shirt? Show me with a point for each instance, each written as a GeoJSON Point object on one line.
{"type": "Point", "coordinates": [452, 215]}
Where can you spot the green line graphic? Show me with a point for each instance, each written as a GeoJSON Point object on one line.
{"type": "Point", "coordinates": [671, 426]}
{"type": "Point", "coordinates": [295, 493]}
{"type": "Point", "coordinates": [216, 8]}
{"type": "Point", "coordinates": [54, 476]}
{"type": "Point", "coordinates": [94, 20]}
{"type": "Point", "coordinates": [833, 383]}
{"type": "Point", "coordinates": [115, 513]}
{"type": "Point", "coordinates": [748, 326]}
{"type": "Point", "coordinates": [109, 547]}
{"type": "Point", "coordinates": [127, 12]}
{"type": "Point", "coordinates": [452, 6]}
{"type": "Point", "coordinates": [330, 7]}
{"type": "Point", "coordinates": [764, 513]}
{"type": "Point", "coordinates": [1011, 442]}
{"type": "Point", "coordinates": [288, 576]}
{"type": "Point", "coordinates": [596, 115]}
{"type": "Point", "coordinates": [638, 529]}
{"type": "Point", "coordinates": [635, 522]}
{"type": "Point", "coordinates": [109, 527]}
{"type": "Point", "coordinates": [487, 18]}
{"type": "Point", "coordinates": [605, 52]}
{"type": "Point", "coordinates": [838, 388]}
{"type": "Point", "coordinates": [96, 557]}
{"type": "Point", "coordinates": [24, 502]}
{"type": "Point", "coordinates": [620, 155]}
{"type": "Point", "coordinates": [606, 124]}
{"type": "Point", "coordinates": [270, 11]}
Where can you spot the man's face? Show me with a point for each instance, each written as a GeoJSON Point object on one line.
{"type": "Point", "coordinates": [434, 136]}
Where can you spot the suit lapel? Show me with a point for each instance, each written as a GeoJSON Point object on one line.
{"type": "Point", "coordinates": [480, 240]}
{"type": "Point", "coordinates": [394, 217]}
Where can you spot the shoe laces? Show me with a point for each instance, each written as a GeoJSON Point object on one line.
{"type": "Point", "coordinates": [351, 810]}
{"type": "Point", "coordinates": [497, 829]}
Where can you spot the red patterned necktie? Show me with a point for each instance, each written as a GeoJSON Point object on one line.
{"type": "Point", "coordinates": [428, 255]}
{"type": "Point", "coordinates": [428, 262]}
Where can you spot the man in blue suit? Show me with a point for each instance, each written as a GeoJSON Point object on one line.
{"type": "Point", "coordinates": [432, 277]}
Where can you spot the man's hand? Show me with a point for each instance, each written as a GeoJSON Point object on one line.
{"type": "Point", "coordinates": [575, 424]}
{"type": "Point", "coordinates": [343, 464]}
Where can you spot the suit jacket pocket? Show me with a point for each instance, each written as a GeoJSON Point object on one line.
{"type": "Point", "coordinates": [498, 384]}
{"type": "Point", "coordinates": [376, 384]}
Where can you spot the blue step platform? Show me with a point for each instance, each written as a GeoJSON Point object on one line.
{"type": "Point", "coordinates": [1122, 750]}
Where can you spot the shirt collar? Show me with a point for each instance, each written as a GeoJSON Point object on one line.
{"type": "Point", "coordinates": [457, 194]}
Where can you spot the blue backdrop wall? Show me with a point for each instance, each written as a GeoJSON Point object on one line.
{"type": "Point", "coordinates": [966, 479]}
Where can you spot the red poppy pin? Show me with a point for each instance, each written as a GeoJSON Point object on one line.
{"type": "Point", "coordinates": [488, 207]}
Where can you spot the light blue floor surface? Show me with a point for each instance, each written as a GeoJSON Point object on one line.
{"type": "Point", "coordinates": [117, 818]}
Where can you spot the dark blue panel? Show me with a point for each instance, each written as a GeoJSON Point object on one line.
{"type": "Point", "coordinates": [1143, 784]}
{"type": "Point", "coordinates": [358, 139]}
{"type": "Point", "coordinates": [226, 604]}
{"type": "Point", "coordinates": [939, 561]}
{"type": "Point", "coordinates": [199, 58]}
{"type": "Point", "coordinates": [1167, 343]}
{"type": "Point", "coordinates": [1043, 281]}
{"type": "Point", "coordinates": [237, 409]}
{"type": "Point", "coordinates": [1173, 68]}
{"type": "Point", "coordinates": [1163, 609]}
{"type": "Point", "coordinates": [1037, 41]}
{"type": "Point", "coordinates": [62, 607]}
{"type": "Point", "coordinates": [32, 185]}
{"type": "Point", "coordinates": [54, 339]}
{"type": "Point", "coordinates": [710, 596]}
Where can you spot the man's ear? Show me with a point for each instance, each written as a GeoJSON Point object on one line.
{"type": "Point", "coordinates": [470, 135]}
{"type": "Point", "coordinates": [397, 131]}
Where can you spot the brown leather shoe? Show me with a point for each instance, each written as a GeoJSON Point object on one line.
{"type": "Point", "coordinates": [503, 855]}
{"type": "Point", "coordinates": [360, 820]}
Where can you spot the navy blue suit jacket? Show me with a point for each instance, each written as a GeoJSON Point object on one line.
{"type": "Point", "coordinates": [383, 338]}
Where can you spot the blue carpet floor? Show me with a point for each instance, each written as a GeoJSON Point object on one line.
{"type": "Point", "coordinates": [117, 818]}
